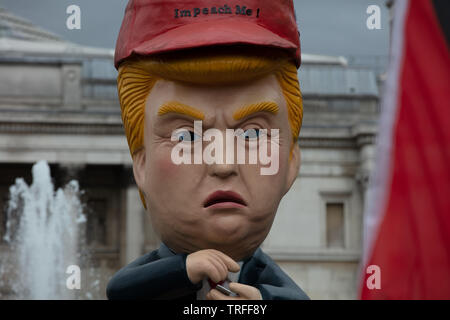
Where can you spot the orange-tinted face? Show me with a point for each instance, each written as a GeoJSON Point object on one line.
{"type": "Point", "coordinates": [231, 206]}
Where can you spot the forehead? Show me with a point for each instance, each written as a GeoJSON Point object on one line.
{"type": "Point", "coordinates": [210, 98]}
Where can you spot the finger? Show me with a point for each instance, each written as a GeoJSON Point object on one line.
{"type": "Point", "coordinates": [220, 267]}
{"type": "Point", "coordinates": [223, 264]}
{"type": "Point", "coordinates": [212, 272]}
{"type": "Point", "coordinates": [232, 265]}
{"type": "Point", "coordinates": [245, 291]}
{"type": "Point", "coordinates": [215, 294]}
{"type": "Point", "coordinates": [219, 261]}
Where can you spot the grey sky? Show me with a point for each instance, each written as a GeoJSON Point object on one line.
{"type": "Point", "coordinates": [332, 27]}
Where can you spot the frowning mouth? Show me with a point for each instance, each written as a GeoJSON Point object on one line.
{"type": "Point", "coordinates": [224, 199]}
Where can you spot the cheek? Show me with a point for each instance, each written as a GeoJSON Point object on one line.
{"type": "Point", "coordinates": [269, 189]}
{"type": "Point", "coordinates": [265, 188]}
{"type": "Point", "coordinates": [161, 167]}
{"type": "Point", "coordinates": [164, 174]}
{"type": "Point", "coordinates": [165, 166]}
{"type": "Point", "coordinates": [270, 186]}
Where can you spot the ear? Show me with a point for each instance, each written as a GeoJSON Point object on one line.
{"type": "Point", "coordinates": [139, 168]}
{"type": "Point", "coordinates": [293, 166]}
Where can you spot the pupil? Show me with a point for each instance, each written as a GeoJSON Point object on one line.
{"type": "Point", "coordinates": [252, 133]}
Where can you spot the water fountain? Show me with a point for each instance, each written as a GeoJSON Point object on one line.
{"type": "Point", "coordinates": [43, 227]}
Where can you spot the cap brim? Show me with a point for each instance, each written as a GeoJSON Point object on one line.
{"type": "Point", "coordinates": [211, 33]}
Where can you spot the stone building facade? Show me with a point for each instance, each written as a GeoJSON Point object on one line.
{"type": "Point", "coordinates": [58, 102]}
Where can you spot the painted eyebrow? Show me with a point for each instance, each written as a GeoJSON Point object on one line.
{"type": "Point", "coordinates": [180, 108]}
{"type": "Point", "coordinates": [245, 111]}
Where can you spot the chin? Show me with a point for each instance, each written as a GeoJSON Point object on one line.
{"type": "Point", "coordinates": [228, 228]}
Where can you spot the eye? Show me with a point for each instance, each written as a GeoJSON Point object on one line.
{"type": "Point", "coordinates": [251, 134]}
{"type": "Point", "coordinates": [186, 135]}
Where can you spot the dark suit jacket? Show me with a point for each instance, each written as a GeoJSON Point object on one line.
{"type": "Point", "coordinates": [161, 274]}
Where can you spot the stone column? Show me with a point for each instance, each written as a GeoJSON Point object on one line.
{"type": "Point", "coordinates": [367, 154]}
{"type": "Point", "coordinates": [71, 85]}
{"type": "Point", "coordinates": [134, 221]}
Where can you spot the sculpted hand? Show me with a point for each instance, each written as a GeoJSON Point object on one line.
{"type": "Point", "coordinates": [209, 263]}
{"type": "Point", "coordinates": [244, 291]}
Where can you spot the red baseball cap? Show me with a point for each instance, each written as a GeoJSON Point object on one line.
{"type": "Point", "coordinates": [155, 26]}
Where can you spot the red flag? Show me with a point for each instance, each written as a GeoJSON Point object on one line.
{"type": "Point", "coordinates": [407, 214]}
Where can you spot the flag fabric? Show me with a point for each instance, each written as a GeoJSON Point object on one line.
{"type": "Point", "coordinates": [407, 213]}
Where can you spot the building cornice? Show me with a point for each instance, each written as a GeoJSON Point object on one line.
{"type": "Point", "coordinates": [116, 128]}
{"type": "Point", "coordinates": [61, 128]}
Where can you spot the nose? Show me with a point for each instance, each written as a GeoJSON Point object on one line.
{"type": "Point", "coordinates": [222, 170]}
